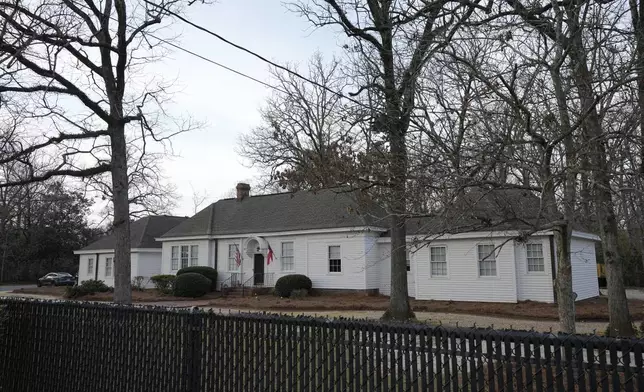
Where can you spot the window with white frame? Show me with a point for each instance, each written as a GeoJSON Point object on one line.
{"type": "Point", "coordinates": [535, 257]}
{"type": "Point", "coordinates": [108, 266]}
{"type": "Point", "coordinates": [185, 255]}
{"type": "Point", "coordinates": [487, 260]}
{"type": "Point", "coordinates": [175, 258]}
{"type": "Point", "coordinates": [408, 259]}
{"type": "Point", "coordinates": [438, 261]}
{"type": "Point", "coordinates": [194, 255]}
{"type": "Point", "coordinates": [335, 258]}
{"type": "Point", "coordinates": [286, 257]}
{"type": "Point", "coordinates": [232, 259]}
{"type": "Point", "coordinates": [90, 266]}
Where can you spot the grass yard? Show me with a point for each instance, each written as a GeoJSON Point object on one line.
{"type": "Point", "coordinates": [595, 309]}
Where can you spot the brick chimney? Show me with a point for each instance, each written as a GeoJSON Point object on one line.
{"type": "Point", "coordinates": [243, 191]}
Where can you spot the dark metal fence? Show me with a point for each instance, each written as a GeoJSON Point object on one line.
{"type": "Point", "coordinates": [70, 346]}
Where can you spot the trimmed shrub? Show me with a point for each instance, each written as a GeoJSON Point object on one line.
{"type": "Point", "coordinates": [95, 286]}
{"type": "Point", "coordinates": [86, 287]}
{"type": "Point", "coordinates": [164, 283]}
{"type": "Point", "coordinates": [286, 284]}
{"type": "Point", "coordinates": [208, 272]}
{"type": "Point", "coordinates": [191, 284]}
{"type": "Point", "coordinates": [75, 292]}
{"type": "Point", "coordinates": [137, 283]}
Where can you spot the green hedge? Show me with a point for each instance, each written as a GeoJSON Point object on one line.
{"type": "Point", "coordinates": [208, 272]}
{"type": "Point", "coordinates": [164, 283]}
{"type": "Point", "coordinates": [286, 284]}
{"type": "Point", "coordinates": [191, 284]}
{"type": "Point", "coordinates": [86, 287]}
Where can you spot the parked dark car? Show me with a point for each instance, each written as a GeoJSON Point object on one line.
{"type": "Point", "coordinates": [57, 279]}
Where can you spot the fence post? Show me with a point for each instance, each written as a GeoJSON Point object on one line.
{"type": "Point", "coordinates": [195, 319]}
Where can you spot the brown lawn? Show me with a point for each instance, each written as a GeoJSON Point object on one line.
{"type": "Point", "coordinates": [595, 309]}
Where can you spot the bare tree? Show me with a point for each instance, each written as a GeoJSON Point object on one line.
{"type": "Point", "coordinates": [198, 199]}
{"type": "Point", "coordinates": [393, 42]}
{"type": "Point", "coordinates": [69, 68]}
{"type": "Point", "coordinates": [306, 138]}
{"type": "Point", "coordinates": [566, 27]}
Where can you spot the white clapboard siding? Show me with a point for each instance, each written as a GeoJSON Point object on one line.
{"type": "Point", "coordinates": [463, 282]}
{"type": "Point", "coordinates": [102, 259]}
{"type": "Point", "coordinates": [534, 286]}
{"type": "Point", "coordinates": [353, 272]}
{"type": "Point", "coordinates": [385, 271]}
{"type": "Point", "coordinates": [310, 253]}
{"type": "Point", "coordinates": [203, 258]}
{"type": "Point", "coordinates": [148, 265]}
{"type": "Point", "coordinates": [275, 267]}
{"type": "Point", "coordinates": [373, 262]}
{"type": "Point", "coordinates": [83, 273]}
{"type": "Point", "coordinates": [584, 268]}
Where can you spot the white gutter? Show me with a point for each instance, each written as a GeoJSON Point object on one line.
{"type": "Point", "coordinates": [360, 229]}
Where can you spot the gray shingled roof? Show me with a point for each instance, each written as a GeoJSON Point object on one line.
{"type": "Point", "coordinates": [301, 210]}
{"type": "Point", "coordinates": [484, 210]}
{"type": "Point", "coordinates": [142, 232]}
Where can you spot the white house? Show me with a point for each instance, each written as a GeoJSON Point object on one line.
{"type": "Point", "coordinates": [479, 250]}
{"type": "Point", "coordinates": [341, 245]}
{"type": "Point", "coordinates": [96, 260]}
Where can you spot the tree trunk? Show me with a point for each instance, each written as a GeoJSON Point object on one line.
{"type": "Point", "coordinates": [122, 262]}
{"type": "Point", "coordinates": [399, 308]}
{"type": "Point", "coordinates": [619, 316]}
{"type": "Point", "coordinates": [637, 15]}
{"type": "Point", "coordinates": [565, 301]}
{"type": "Point", "coordinates": [563, 233]}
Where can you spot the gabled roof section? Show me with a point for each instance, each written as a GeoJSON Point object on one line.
{"type": "Point", "coordinates": [142, 232]}
{"type": "Point", "coordinates": [303, 210]}
{"type": "Point", "coordinates": [484, 210]}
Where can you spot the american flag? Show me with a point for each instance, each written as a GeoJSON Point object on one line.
{"type": "Point", "coordinates": [269, 256]}
{"type": "Point", "coordinates": [238, 257]}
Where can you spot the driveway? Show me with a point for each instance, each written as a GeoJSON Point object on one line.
{"type": "Point", "coordinates": [6, 291]}
{"type": "Point", "coordinates": [446, 319]}
{"type": "Point", "coordinates": [11, 287]}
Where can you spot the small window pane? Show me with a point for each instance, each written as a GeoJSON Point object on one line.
{"type": "Point", "coordinates": [438, 261]}
{"type": "Point", "coordinates": [90, 266]}
{"type": "Point", "coordinates": [175, 258]}
{"type": "Point", "coordinates": [334, 252]}
{"type": "Point", "coordinates": [232, 258]}
{"type": "Point", "coordinates": [108, 266]}
{"type": "Point", "coordinates": [535, 257]}
{"type": "Point", "coordinates": [487, 260]}
{"type": "Point", "coordinates": [185, 252]}
{"type": "Point", "coordinates": [287, 257]}
{"type": "Point", "coordinates": [335, 260]}
{"type": "Point", "coordinates": [194, 255]}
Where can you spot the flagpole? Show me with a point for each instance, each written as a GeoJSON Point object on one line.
{"type": "Point", "coordinates": [241, 258]}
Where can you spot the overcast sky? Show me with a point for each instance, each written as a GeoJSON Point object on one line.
{"type": "Point", "coordinates": [227, 103]}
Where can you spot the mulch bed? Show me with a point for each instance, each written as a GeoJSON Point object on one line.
{"type": "Point", "coordinates": [595, 309]}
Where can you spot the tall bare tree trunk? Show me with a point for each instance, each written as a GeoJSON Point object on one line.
{"type": "Point", "coordinates": [637, 16]}
{"type": "Point", "coordinates": [122, 262]}
{"type": "Point", "coordinates": [399, 308]}
{"type": "Point", "coordinates": [619, 316]}
{"type": "Point", "coordinates": [565, 301]}
{"type": "Point", "coordinates": [563, 233]}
